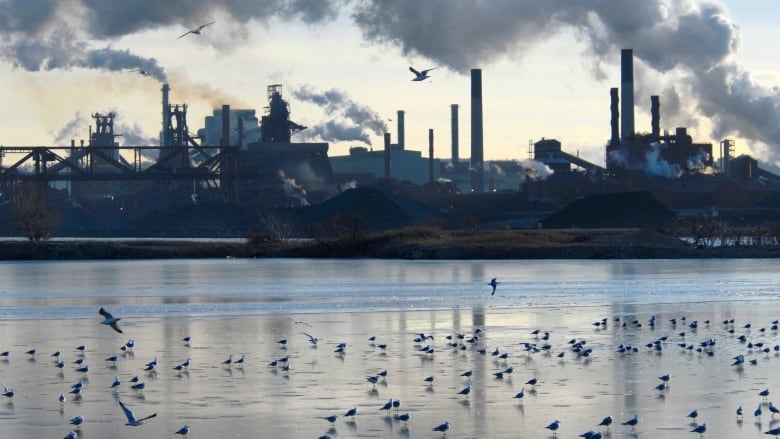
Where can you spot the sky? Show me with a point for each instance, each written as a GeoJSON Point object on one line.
{"type": "Point", "coordinates": [547, 68]}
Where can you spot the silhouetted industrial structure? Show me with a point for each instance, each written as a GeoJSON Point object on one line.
{"type": "Point", "coordinates": [237, 159]}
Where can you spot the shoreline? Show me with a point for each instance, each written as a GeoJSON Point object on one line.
{"type": "Point", "coordinates": [579, 244]}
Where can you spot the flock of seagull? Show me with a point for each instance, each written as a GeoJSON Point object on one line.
{"type": "Point", "coordinates": [675, 334]}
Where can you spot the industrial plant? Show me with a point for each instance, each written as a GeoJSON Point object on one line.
{"type": "Point", "coordinates": [222, 178]}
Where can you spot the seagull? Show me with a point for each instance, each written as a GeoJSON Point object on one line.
{"type": "Point", "coordinates": [700, 429]}
{"type": "Point", "coordinates": [466, 390]}
{"type": "Point", "coordinates": [312, 339]}
{"type": "Point", "coordinates": [116, 383]}
{"type": "Point", "coordinates": [553, 426]}
{"type": "Point", "coordinates": [184, 430]}
{"type": "Point", "coordinates": [420, 75]}
{"type": "Point", "coordinates": [141, 72]}
{"type": "Point", "coordinates": [493, 283]}
{"type": "Point", "coordinates": [62, 398]}
{"type": "Point", "coordinates": [442, 427]}
{"type": "Point", "coordinates": [131, 419]}
{"type": "Point", "coordinates": [78, 420]}
{"type": "Point", "coordinates": [387, 406]}
{"type": "Point", "coordinates": [606, 422]}
{"type": "Point", "coordinates": [351, 412]}
{"type": "Point", "coordinates": [405, 417]}
{"type": "Point", "coordinates": [71, 435]}
{"type": "Point", "coordinates": [693, 415]}
{"type": "Point", "coordinates": [774, 432]}
{"type": "Point", "coordinates": [331, 418]}
{"type": "Point", "coordinates": [110, 320]}
{"type": "Point", "coordinates": [197, 30]}
{"type": "Point", "coordinates": [519, 395]}
{"type": "Point", "coordinates": [633, 421]}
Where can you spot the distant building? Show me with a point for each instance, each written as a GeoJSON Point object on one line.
{"type": "Point", "coordinates": [405, 165]}
{"type": "Point", "coordinates": [211, 134]}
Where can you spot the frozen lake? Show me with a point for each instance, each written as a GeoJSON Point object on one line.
{"type": "Point", "coordinates": [244, 307]}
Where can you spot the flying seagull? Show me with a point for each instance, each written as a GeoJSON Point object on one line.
{"type": "Point", "coordinates": [141, 72]}
{"type": "Point", "coordinates": [197, 30]}
{"type": "Point", "coordinates": [420, 75]}
{"type": "Point", "coordinates": [493, 283]}
{"type": "Point", "coordinates": [110, 320]}
{"type": "Point", "coordinates": [131, 420]}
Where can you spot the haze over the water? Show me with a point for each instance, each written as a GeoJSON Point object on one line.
{"type": "Point", "coordinates": [547, 68]}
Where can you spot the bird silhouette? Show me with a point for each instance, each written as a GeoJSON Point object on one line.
{"type": "Point", "coordinates": [197, 30]}
{"type": "Point", "coordinates": [421, 75]}
{"type": "Point", "coordinates": [110, 320]}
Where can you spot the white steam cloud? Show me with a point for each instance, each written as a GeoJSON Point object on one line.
{"type": "Point", "coordinates": [353, 121]}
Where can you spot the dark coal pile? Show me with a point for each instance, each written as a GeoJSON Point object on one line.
{"type": "Point", "coordinates": [378, 210]}
{"type": "Point", "coordinates": [618, 210]}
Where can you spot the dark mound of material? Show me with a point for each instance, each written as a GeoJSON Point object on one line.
{"type": "Point", "coordinates": [378, 210]}
{"type": "Point", "coordinates": [618, 210]}
{"type": "Point", "coordinates": [197, 220]}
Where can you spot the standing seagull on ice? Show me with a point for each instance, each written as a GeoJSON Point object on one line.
{"type": "Point", "coordinates": [420, 75]}
{"type": "Point", "coordinates": [110, 320]}
{"type": "Point", "coordinates": [197, 30]}
{"type": "Point", "coordinates": [131, 419]}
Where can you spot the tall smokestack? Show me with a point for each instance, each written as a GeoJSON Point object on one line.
{"type": "Point", "coordinates": [477, 154]}
{"type": "Point", "coordinates": [225, 126]}
{"type": "Point", "coordinates": [615, 116]}
{"type": "Point", "coordinates": [454, 124]}
{"type": "Point", "coordinates": [401, 136]}
{"type": "Point", "coordinates": [166, 115]}
{"type": "Point", "coordinates": [430, 155]}
{"type": "Point", "coordinates": [627, 93]}
{"type": "Point", "coordinates": [387, 155]}
{"type": "Point", "coordinates": [655, 116]}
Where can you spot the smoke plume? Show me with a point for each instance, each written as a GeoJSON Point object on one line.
{"type": "Point", "coordinates": [693, 43]}
{"type": "Point", "coordinates": [56, 34]}
{"type": "Point", "coordinates": [535, 170]}
{"type": "Point", "coordinates": [352, 121]}
{"type": "Point", "coordinates": [685, 49]}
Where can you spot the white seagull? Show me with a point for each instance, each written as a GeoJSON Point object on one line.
{"type": "Point", "coordinates": [197, 30]}
{"type": "Point", "coordinates": [131, 419]}
{"type": "Point", "coordinates": [110, 320]}
{"type": "Point", "coordinates": [420, 75]}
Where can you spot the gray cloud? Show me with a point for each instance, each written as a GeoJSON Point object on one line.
{"type": "Point", "coordinates": [696, 41]}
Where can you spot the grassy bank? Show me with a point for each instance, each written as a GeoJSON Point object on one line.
{"type": "Point", "coordinates": [413, 243]}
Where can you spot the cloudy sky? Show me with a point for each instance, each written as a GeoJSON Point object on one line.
{"type": "Point", "coordinates": [547, 68]}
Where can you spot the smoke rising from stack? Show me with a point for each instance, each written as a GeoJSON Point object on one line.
{"type": "Point", "coordinates": [353, 121]}
{"type": "Point", "coordinates": [52, 34]}
{"type": "Point", "coordinates": [695, 40]}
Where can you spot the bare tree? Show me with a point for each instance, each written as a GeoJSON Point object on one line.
{"type": "Point", "coordinates": [34, 218]}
